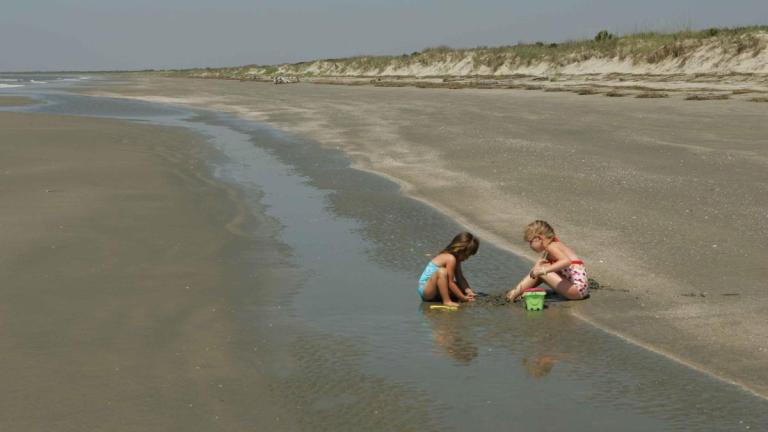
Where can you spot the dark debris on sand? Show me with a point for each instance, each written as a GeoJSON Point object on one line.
{"type": "Point", "coordinates": [492, 299]}
{"type": "Point", "coordinates": [596, 286]}
{"type": "Point", "coordinates": [552, 297]}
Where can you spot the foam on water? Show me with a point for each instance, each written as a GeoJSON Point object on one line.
{"type": "Point", "coordinates": [25, 80]}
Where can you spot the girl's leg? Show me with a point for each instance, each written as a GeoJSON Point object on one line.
{"type": "Point", "coordinates": [444, 287]}
{"type": "Point", "coordinates": [437, 288]}
{"type": "Point", "coordinates": [564, 287]}
{"type": "Point", "coordinates": [454, 291]}
{"type": "Point", "coordinates": [517, 291]}
{"type": "Point", "coordinates": [430, 289]}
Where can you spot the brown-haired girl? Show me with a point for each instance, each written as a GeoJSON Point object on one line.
{"type": "Point", "coordinates": [443, 279]}
{"type": "Point", "coordinates": [559, 266]}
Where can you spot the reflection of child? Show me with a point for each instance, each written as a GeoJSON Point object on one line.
{"type": "Point", "coordinates": [443, 279]}
{"type": "Point", "coordinates": [539, 366]}
{"type": "Point", "coordinates": [559, 268]}
{"type": "Point", "coordinates": [451, 338]}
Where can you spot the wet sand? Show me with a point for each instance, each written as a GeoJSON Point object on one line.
{"type": "Point", "coordinates": [6, 101]}
{"type": "Point", "coordinates": [117, 309]}
{"type": "Point", "coordinates": [301, 331]}
{"type": "Point", "coordinates": [665, 199]}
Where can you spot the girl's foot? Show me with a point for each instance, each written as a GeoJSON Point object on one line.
{"type": "Point", "coordinates": [450, 303]}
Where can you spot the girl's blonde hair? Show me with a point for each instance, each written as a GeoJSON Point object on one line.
{"type": "Point", "coordinates": [464, 244]}
{"type": "Point", "coordinates": [538, 228]}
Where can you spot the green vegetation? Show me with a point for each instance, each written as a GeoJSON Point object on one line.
{"type": "Point", "coordinates": [604, 36]}
{"type": "Point", "coordinates": [649, 47]}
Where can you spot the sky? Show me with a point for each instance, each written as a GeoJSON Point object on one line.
{"type": "Point", "coordinates": [165, 34]}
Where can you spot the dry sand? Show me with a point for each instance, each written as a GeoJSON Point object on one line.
{"type": "Point", "coordinates": [664, 198]}
{"type": "Point", "coordinates": [716, 55]}
{"type": "Point", "coordinates": [116, 311]}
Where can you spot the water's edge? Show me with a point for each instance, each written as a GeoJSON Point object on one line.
{"type": "Point", "coordinates": [326, 178]}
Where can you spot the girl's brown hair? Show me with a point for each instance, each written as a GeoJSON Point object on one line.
{"type": "Point", "coordinates": [538, 228]}
{"type": "Point", "coordinates": [464, 244]}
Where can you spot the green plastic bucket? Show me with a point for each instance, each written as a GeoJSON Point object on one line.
{"type": "Point", "coordinates": [534, 298]}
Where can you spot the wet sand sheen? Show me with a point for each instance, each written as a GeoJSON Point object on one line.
{"type": "Point", "coordinates": [653, 190]}
{"type": "Point", "coordinates": [359, 301]}
{"type": "Point", "coordinates": [6, 101]}
{"type": "Point", "coordinates": [308, 338]}
{"type": "Point", "coordinates": [117, 310]}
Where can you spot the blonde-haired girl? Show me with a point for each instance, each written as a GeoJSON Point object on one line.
{"type": "Point", "coordinates": [559, 266]}
{"type": "Point", "coordinates": [443, 279]}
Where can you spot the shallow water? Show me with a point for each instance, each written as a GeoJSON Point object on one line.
{"type": "Point", "coordinates": [353, 347]}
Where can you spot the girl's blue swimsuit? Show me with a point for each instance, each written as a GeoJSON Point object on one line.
{"type": "Point", "coordinates": [428, 272]}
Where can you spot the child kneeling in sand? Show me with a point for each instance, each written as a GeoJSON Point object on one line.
{"type": "Point", "coordinates": [443, 279]}
{"type": "Point", "coordinates": [559, 268]}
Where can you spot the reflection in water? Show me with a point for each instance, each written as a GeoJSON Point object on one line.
{"type": "Point", "coordinates": [539, 366]}
{"type": "Point", "coordinates": [361, 364]}
{"type": "Point", "coordinates": [448, 336]}
{"type": "Point", "coordinates": [540, 358]}
{"type": "Point", "coordinates": [482, 345]}
{"type": "Point", "coordinates": [324, 383]}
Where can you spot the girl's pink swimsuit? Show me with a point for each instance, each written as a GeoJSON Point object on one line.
{"type": "Point", "coordinates": [576, 273]}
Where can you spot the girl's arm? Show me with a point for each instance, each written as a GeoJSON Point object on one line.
{"type": "Point", "coordinates": [460, 277]}
{"type": "Point", "coordinates": [451, 266]}
{"type": "Point", "coordinates": [561, 261]}
{"type": "Point", "coordinates": [463, 283]}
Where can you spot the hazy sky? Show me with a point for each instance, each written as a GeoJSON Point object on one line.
{"type": "Point", "coordinates": [138, 34]}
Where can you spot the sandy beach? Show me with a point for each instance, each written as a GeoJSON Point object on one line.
{"type": "Point", "coordinates": [9, 101]}
{"type": "Point", "coordinates": [182, 269]}
{"type": "Point", "coordinates": [664, 198]}
{"type": "Point", "coordinates": [117, 309]}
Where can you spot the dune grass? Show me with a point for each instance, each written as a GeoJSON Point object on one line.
{"type": "Point", "coordinates": [651, 47]}
{"type": "Point", "coordinates": [647, 47]}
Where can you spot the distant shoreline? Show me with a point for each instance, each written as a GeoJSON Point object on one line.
{"type": "Point", "coordinates": [688, 54]}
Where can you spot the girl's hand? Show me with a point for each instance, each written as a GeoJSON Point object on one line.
{"type": "Point", "coordinates": [468, 295]}
{"type": "Point", "coordinates": [538, 270]}
{"type": "Point", "coordinates": [512, 295]}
